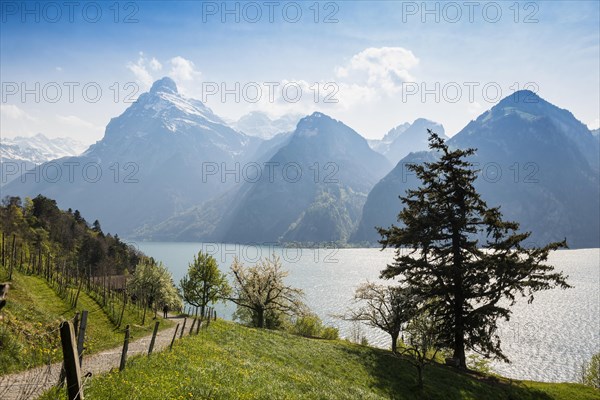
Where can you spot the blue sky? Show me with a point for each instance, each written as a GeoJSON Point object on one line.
{"type": "Point", "coordinates": [384, 62]}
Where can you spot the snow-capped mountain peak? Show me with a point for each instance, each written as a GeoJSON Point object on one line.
{"type": "Point", "coordinates": [167, 103]}
{"type": "Point", "coordinates": [164, 85]}
{"type": "Point", "coordinates": [164, 110]}
{"type": "Point", "coordinates": [38, 149]}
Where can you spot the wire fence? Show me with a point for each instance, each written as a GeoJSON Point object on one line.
{"type": "Point", "coordinates": [31, 383]}
{"type": "Point", "coordinates": [27, 384]}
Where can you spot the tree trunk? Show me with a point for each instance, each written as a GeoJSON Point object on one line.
{"type": "Point", "coordinates": [13, 257]}
{"type": "Point", "coordinates": [260, 316]}
{"type": "Point", "coordinates": [420, 376]}
{"type": "Point", "coordinates": [458, 281]}
{"type": "Point", "coordinates": [459, 332]}
{"type": "Point", "coordinates": [394, 336]}
{"type": "Point", "coordinates": [459, 351]}
{"type": "Point", "coordinates": [144, 316]}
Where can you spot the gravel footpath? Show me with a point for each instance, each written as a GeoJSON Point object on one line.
{"type": "Point", "coordinates": [32, 383]}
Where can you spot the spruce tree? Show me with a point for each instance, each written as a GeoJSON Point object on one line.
{"type": "Point", "coordinates": [460, 257]}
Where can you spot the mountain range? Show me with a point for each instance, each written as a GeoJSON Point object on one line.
{"type": "Point", "coordinates": [25, 152]}
{"type": "Point", "coordinates": [309, 188]}
{"type": "Point", "coordinates": [537, 161]}
{"type": "Point", "coordinates": [149, 165]}
{"type": "Point", "coordinates": [168, 168]}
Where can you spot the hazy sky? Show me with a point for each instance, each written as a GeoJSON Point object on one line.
{"type": "Point", "coordinates": [67, 69]}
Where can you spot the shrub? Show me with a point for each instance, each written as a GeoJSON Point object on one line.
{"type": "Point", "coordinates": [310, 325]}
{"type": "Point", "coordinates": [479, 364]}
{"type": "Point", "coordinates": [330, 333]}
{"type": "Point", "coordinates": [273, 319]}
{"type": "Point", "coordinates": [590, 372]}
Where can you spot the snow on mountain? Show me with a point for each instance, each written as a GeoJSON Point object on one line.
{"type": "Point", "coordinates": [38, 149]}
{"type": "Point", "coordinates": [163, 154]}
{"type": "Point", "coordinates": [166, 99]}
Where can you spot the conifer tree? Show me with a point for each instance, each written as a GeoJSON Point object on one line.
{"type": "Point", "coordinates": [460, 257]}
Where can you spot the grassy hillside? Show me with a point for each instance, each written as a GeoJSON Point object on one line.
{"type": "Point", "coordinates": [229, 361]}
{"type": "Point", "coordinates": [28, 331]}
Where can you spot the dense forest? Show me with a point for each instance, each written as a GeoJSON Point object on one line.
{"type": "Point", "coordinates": [39, 237]}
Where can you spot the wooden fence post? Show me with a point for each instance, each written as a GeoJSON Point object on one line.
{"type": "Point", "coordinates": [78, 291]}
{"type": "Point", "coordinates": [125, 348]}
{"type": "Point", "coordinates": [76, 323]}
{"type": "Point", "coordinates": [12, 258]}
{"type": "Point", "coordinates": [192, 327]}
{"type": "Point", "coordinates": [123, 309]}
{"type": "Point", "coordinates": [81, 335]}
{"type": "Point", "coordinates": [153, 338]}
{"type": "Point", "coordinates": [72, 369]}
{"type": "Point", "coordinates": [174, 336]}
{"type": "Point", "coordinates": [183, 327]}
{"type": "Point", "coordinates": [61, 378]}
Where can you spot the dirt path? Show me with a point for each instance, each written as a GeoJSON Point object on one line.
{"type": "Point", "coordinates": [32, 383]}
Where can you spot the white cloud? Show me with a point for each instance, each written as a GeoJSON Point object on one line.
{"type": "Point", "coordinates": [146, 71]}
{"type": "Point", "coordinates": [155, 65]}
{"type": "Point", "coordinates": [381, 68]}
{"type": "Point", "coordinates": [183, 69]}
{"type": "Point", "coordinates": [141, 72]}
{"type": "Point", "coordinates": [294, 97]}
{"type": "Point", "coordinates": [368, 75]}
{"type": "Point", "coordinates": [13, 112]}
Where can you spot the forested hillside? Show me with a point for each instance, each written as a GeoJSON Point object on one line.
{"type": "Point", "coordinates": [38, 236]}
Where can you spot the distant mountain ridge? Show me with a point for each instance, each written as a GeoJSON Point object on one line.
{"type": "Point", "coordinates": [406, 138]}
{"type": "Point", "coordinates": [168, 168]}
{"type": "Point", "coordinates": [25, 152]}
{"type": "Point", "coordinates": [320, 178]}
{"type": "Point", "coordinates": [260, 125]}
{"type": "Point", "coordinates": [39, 148]}
{"type": "Point", "coordinates": [150, 164]}
{"type": "Point", "coordinates": [538, 162]}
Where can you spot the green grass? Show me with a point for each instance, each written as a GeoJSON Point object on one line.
{"type": "Point", "coordinates": [229, 361]}
{"type": "Point", "coordinates": [29, 330]}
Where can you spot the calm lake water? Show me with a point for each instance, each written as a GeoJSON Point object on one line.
{"type": "Point", "coordinates": [546, 341]}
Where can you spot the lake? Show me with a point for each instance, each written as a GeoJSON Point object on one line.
{"type": "Point", "coordinates": [546, 341]}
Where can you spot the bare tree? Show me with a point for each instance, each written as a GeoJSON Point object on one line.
{"type": "Point", "coordinates": [423, 342]}
{"type": "Point", "coordinates": [385, 307]}
{"type": "Point", "coordinates": [261, 290]}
